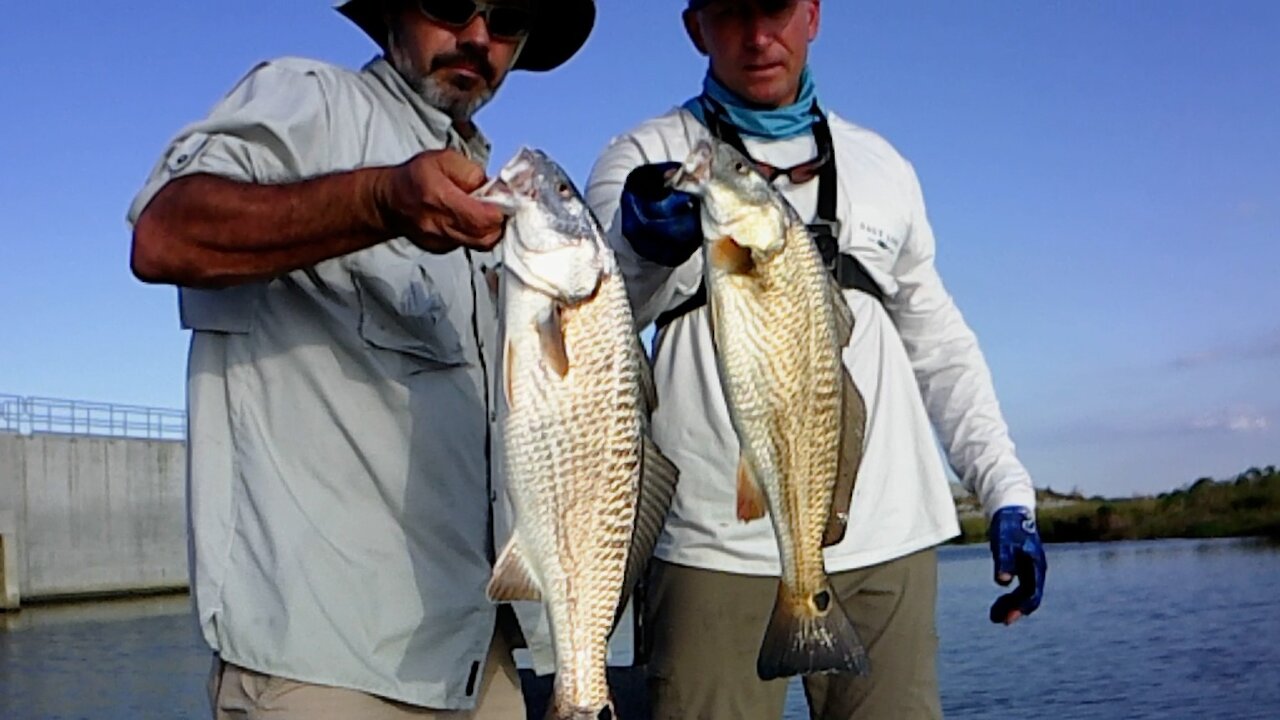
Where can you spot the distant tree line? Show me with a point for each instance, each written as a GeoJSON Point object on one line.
{"type": "Point", "coordinates": [1247, 505]}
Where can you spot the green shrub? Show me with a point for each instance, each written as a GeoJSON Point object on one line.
{"type": "Point", "coordinates": [1247, 505]}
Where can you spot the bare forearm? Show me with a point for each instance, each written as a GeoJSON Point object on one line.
{"type": "Point", "coordinates": [208, 231]}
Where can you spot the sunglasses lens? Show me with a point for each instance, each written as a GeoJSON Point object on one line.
{"type": "Point", "coordinates": [803, 174]}
{"type": "Point", "coordinates": [450, 12]}
{"type": "Point", "coordinates": [769, 172]}
{"type": "Point", "coordinates": [509, 22]}
{"type": "Point", "coordinates": [806, 171]}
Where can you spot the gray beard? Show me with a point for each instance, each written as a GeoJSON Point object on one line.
{"type": "Point", "coordinates": [460, 106]}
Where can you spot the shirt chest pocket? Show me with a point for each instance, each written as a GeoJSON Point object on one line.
{"type": "Point", "coordinates": [875, 233]}
{"type": "Point", "coordinates": [405, 301]}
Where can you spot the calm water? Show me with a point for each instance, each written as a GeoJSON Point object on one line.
{"type": "Point", "coordinates": [1172, 629]}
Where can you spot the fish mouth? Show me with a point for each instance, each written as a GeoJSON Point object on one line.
{"type": "Point", "coordinates": [513, 184]}
{"type": "Point", "coordinates": [499, 194]}
{"type": "Point", "coordinates": [694, 174]}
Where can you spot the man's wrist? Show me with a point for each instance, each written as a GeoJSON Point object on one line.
{"type": "Point", "coordinates": [375, 193]}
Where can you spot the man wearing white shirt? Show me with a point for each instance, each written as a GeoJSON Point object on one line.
{"type": "Point", "coordinates": [916, 362]}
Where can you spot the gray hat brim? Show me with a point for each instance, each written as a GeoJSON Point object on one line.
{"type": "Point", "coordinates": [560, 30]}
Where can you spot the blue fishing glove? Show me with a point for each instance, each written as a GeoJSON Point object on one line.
{"type": "Point", "coordinates": [662, 224]}
{"type": "Point", "coordinates": [1018, 552]}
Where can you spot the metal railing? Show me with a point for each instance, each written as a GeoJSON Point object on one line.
{"type": "Point", "coordinates": [30, 415]}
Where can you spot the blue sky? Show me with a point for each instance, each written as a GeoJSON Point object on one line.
{"type": "Point", "coordinates": [1103, 179]}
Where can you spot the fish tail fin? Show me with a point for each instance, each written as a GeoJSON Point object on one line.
{"type": "Point", "coordinates": [810, 635]}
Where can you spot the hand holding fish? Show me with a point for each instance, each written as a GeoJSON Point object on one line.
{"type": "Point", "coordinates": [661, 223]}
{"type": "Point", "coordinates": [427, 199]}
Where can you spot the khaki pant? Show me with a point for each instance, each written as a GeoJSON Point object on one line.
{"type": "Point", "coordinates": [705, 629]}
{"type": "Point", "coordinates": [241, 694]}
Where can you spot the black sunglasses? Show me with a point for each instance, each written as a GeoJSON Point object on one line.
{"type": "Point", "coordinates": [506, 21]}
{"type": "Point", "coordinates": [798, 174]}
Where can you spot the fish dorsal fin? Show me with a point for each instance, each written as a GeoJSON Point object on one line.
{"type": "Point", "coordinates": [853, 424]}
{"type": "Point", "coordinates": [551, 333]}
{"type": "Point", "coordinates": [511, 579]}
{"type": "Point", "coordinates": [751, 503]}
{"type": "Point", "coordinates": [658, 479]}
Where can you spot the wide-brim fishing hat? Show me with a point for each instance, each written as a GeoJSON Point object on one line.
{"type": "Point", "coordinates": [560, 29]}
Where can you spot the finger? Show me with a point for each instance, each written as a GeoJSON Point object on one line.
{"type": "Point", "coordinates": [1021, 599]}
{"type": "Point", "coordinates": [467, 218]}
{"type": "Point", "coordinates": [464, 173]}
{"type": "Point", "coordinates": [490, 241]}
{"type": "Point", "coordinates": [1004, 607]}
{"type": "Point", "coordinates": [1004, 555]}
{"type": "Point", "coordinates": [434, 242]}
{"type": "Point", "coordinates": [479, 219]}
{"type": "Point", "coordinates": [1031, 574]}
{"type": "Point", "coordinates": [484, 241]}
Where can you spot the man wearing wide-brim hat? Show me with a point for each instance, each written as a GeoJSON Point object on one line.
{"type": "Point", "coordinates": [331, 268]}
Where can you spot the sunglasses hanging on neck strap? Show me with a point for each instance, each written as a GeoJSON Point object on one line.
{"type": "Point", "coordinates": [825, 228]}
{"type": "Point", "coordinates": [822, 165]}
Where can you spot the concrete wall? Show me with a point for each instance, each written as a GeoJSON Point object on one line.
{"type": "Point", "coordinates": [93, 515]}
{"type": "Point", "coordinates": [9, 595]}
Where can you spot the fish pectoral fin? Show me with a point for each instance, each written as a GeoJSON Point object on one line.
{"type": "Point", "coordinates": [853, 422]}
{"type": "Point", "coordinates": [729, 256]}
{"type": "Point", "coordinates": [751, 504]}
{"type": "Point", "coordinates": [551, 333]}
{"type": "Point", "coordinates": [511, 579]}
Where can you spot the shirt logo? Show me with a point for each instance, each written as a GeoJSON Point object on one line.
{"type": "Point", "coordinates": [879, 236]}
